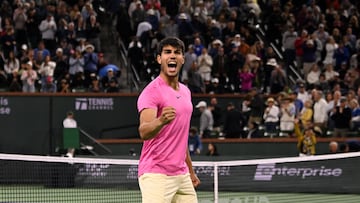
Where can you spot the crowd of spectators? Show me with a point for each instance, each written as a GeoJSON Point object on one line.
{"type": "Point", "coordinates": [285, 115]}
{"type": "Point", "coordinates": [228, 53]}
{"type": "Point", "coordinates": [224, 53]}
{"type": "Point", "coordinates": [319, 39]}
{"type": "Point", "coordinates": [53, 46]}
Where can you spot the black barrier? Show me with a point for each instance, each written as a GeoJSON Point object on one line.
{"type": "Point", "coordinates": [32, 123]}
{"type": "Point", "coordinates": [25, 126]}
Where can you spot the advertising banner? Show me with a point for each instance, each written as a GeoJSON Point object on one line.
{"type": "Point", "coordinates": [325, 176]}
{"type": "Point", "coordinates": [328, 176]}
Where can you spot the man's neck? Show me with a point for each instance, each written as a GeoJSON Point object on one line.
{"type": "Point", "coordinates": [171, 81]}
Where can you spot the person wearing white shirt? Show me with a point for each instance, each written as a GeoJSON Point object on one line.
{"type": "Point", "coordinates": [303, 95]}
{"type": "Point", "coordinates": [313, 76]}
{"type": "Point", "coordinates": [335, 102]}
{"type": "Point", "coordinates": [355, 117]}
{"type": "Point", "coordinates": [190, 59]}
{"type": "Point", "coordinates": [271, 116]}
{"type": "Point", "coordinates": [320, 117]}
{"type": "Point", "coordinates": [47, 67]}
{"type": "Point", "coordinates": [205, 62]}
{"type": "Point", "coordinates": [12, 64]}
{"type": "Point", "coordinates": [329, 73]}
{"type": "Point", "coordinates": [206, 120]}
{"type": "Point", "coordinates": [70, 122]}
{"type": "Point", "coordinates": [48, 29]}
{"type": "Point", "coordinates": [133, 5]}
{"type": "Point", "coordinates": [28, 78]}
{"type": "Point", "coordinates": [330, 48]}
{"type": "Point", "coordinates": [46, 70]}
{"type": "Point", "coordinates": [143, 27]}
{"type": "Point", "coordinates": [288, 112]}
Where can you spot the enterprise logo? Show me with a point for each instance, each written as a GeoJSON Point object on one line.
{"type": "Point", "coordinates": [265, 172]}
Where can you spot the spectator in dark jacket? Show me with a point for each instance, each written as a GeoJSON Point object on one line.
{"type": "Point", "coordinates": [194, 142]}
{"type": "Point", "coordinates": [212, 150]}
{"type": "Point", "coordinates": [234, 122]}
{"type": "Point", "coordinates": [185, 28]}
{"type": "Point", "coordinates": [136, 56]}
{"type": "Point", "coordinates": [350, 146]}
{"type": "Point", "coordinates": [93, 32]}
{"type": "Point", "coordinates": [342, 54]}
{"type": "Point", "coordinates": [217, 113]}
{"type": "Point", "coordinates": [235, 62]}
{"type": "Point", "coordinates": [91, 60]}
{"type": "Point", "coordinates": [256, 105]}
{"type": "Point", "coordinates": [341, 115]}
{"type": "Point", "coordinates": [309, 57]}
{"type": "Point", "coordinates": [195, 82]}
{"type": "Point", "coordinates": [253, 131]}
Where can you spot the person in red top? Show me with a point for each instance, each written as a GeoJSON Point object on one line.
{"type": "Point", "coordinates": [246, 78]}
{"type": "Point", "coordinates": [299, 48]}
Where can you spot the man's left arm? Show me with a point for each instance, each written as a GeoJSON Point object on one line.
{"type": "Point", "coordinates": [194, 179]}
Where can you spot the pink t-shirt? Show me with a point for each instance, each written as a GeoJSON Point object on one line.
{"type": "Point", "coordinates": [166, 152]}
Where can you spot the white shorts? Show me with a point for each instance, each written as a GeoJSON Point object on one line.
{"type": "Point", "coordinates": [160, 188]}
{"type": "Point", "coordinates": [286, 125]}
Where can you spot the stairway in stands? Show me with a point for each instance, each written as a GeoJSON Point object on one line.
{"type": "Point", "coordinates": [110, 48]}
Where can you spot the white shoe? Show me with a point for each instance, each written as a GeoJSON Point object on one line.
{"type": "Point", "coordinates": [69, 155]}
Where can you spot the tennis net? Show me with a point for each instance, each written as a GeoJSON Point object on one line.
{"type": "Point", "coordinates": [322, 178]}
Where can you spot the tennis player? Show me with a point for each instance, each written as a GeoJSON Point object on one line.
{"type": "Point", "coordinates": [165, 168]}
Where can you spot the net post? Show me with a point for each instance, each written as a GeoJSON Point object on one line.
{"type": "Point", "coordinates": [216, 183]}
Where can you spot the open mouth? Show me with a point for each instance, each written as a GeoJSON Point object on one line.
{"type": "Point", "coordinates": [172, 65]}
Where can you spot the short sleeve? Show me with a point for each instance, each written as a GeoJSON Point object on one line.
{"type": "Point", "coordinates": [147, 99]}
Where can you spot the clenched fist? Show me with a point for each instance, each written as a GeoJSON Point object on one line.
{"type": "Point", "coordinates": [167, 115]}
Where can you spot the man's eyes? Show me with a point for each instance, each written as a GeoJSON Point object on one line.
{"type": "Point", "coordinates": [169, 52]}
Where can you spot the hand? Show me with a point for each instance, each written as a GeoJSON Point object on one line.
{"type": "Point", "coordinates": [195, 180]}
{"type": "Point", "coordinates": [197, 151]}
{"type": "Point", "coordinates": [334, 110]}
{"type": "Point", "coordinates": [167, 115]}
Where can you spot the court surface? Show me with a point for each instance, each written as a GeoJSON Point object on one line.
{"type": "Point", "coordinates": [22, 194]}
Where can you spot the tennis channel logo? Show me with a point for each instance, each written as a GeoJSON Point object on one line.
{"type": "Point", "coordinates": [90, 104]}
{"type": "Point", "coordinates": [265, 172]}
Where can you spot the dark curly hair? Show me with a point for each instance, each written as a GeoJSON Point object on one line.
{"type": "Point", "coordinates": [172, 41]}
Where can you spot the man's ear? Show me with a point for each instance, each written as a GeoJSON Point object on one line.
{"type": "Point", "coordinates": [158, 59]}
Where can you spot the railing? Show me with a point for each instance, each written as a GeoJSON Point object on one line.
{"type": "Point", "coordinates": [94, 141]}
{"type": "Point", "coordinates": [133, 79]}
{"type": "Point", "coordinates": [292, 73]}
{"type": "Point", "coordinates": [111, 129]}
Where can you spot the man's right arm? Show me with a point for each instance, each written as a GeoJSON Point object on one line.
{"type": "Point", "coordinates": [149, 124]}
